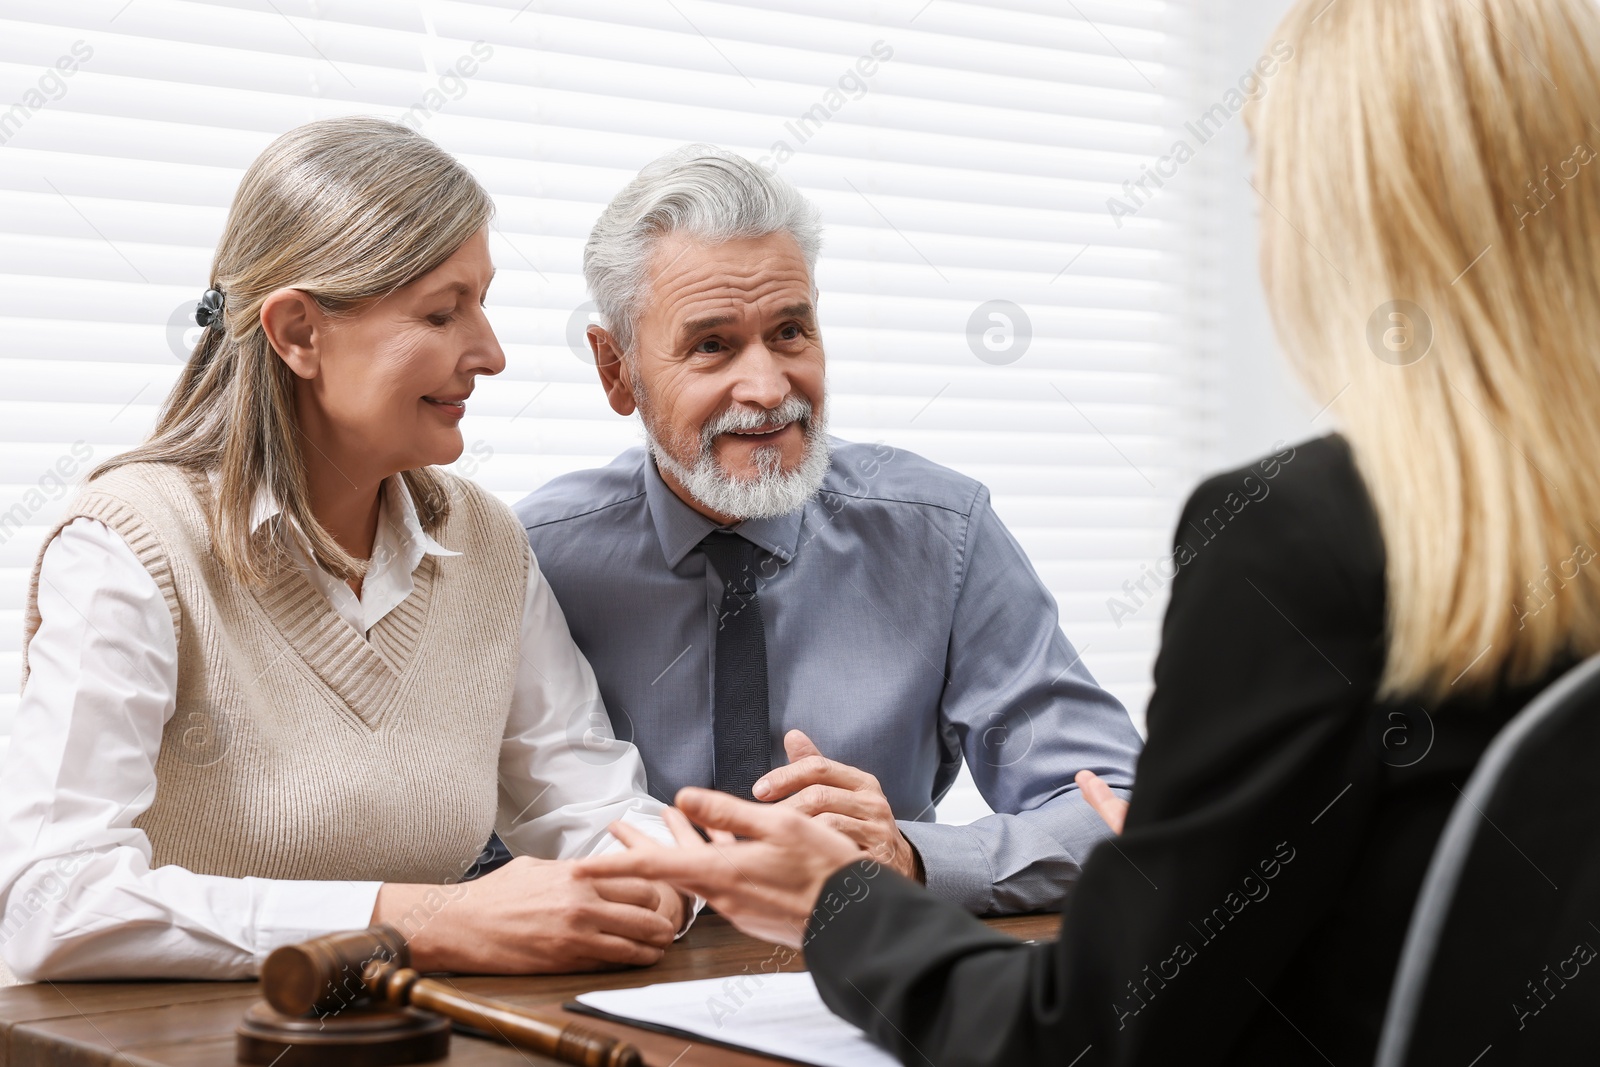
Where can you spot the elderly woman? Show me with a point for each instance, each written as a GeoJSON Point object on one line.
{"type": "Point", "coordinates": [283, 675]}
{"type": "Point", "coordinates": [1254, 908]}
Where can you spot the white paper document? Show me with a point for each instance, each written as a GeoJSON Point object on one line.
{"type": "Point", "coordinates": [776, 1014]}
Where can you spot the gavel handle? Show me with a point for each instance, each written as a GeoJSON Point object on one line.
{"type": "Point", "coordinates": [568, 1042]}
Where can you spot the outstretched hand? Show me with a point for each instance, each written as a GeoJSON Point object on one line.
{"type": "Point", "coordinates": [766, 884]}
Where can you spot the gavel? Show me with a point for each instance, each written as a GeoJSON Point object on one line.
{"type": "Point", "coordinates": [323, 977]}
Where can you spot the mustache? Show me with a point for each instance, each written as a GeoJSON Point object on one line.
{"type": "Point", "coordinates": [795, 408]}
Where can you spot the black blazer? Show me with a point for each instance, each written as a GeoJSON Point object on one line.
{"type": "Point", "coordinates": [1253, 910]}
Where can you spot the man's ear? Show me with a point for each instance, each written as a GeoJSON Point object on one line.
{"type": "Point", "coordinates": [293, 323]}
{"type": "Point", "coordinates": [614, 377]}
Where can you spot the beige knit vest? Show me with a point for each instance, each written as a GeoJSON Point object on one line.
{"type": "Point", "coordinates": [299, 749]}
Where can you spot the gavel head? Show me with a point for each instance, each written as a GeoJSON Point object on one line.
{"type": "Point", "coordinates": [325, 974]}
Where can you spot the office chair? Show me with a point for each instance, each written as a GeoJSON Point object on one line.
{"type": "Point", "coordinates": [1501, 964]}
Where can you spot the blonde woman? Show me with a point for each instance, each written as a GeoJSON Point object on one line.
{"type": "Point", "coordinates": [282, 674]}
{"type": "Point", "coordinates": [1352, 619]}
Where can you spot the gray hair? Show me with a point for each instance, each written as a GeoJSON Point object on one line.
{"type": "Point", "coordinates": [700, 190]}
{"type": "Point", "coordinates": [345, 209]}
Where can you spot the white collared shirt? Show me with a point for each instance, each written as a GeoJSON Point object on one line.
{"type": "Point", "coordinates": [78, 897]}
{"type": "Point", "coordinates": [398, 547]}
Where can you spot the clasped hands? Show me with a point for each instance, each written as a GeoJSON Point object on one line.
{"type": "Point", "coordinates": [842, 798]}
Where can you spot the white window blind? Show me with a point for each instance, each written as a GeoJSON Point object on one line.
{"type": "Point", "coordinates": [962, 154]}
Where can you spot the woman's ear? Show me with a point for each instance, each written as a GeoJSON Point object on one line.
{"type": "Point", "coordinates": [614, 376]}
{"type": "Point", "coordinates": [293, 323]}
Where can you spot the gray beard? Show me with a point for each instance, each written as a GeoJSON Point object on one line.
{"type": "Point", "coordinates": [773, 491]}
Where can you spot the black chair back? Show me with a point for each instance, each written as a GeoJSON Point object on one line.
{"type": "Point", "coordinates": [1501, 964]}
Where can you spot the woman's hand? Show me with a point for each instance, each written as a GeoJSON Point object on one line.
{"type": "Point", "coordinates": [1110, 807]}
{"type": "Point", "coordinates": [533, 917]}
{"type": "Point", "coordinates": [766, 884]}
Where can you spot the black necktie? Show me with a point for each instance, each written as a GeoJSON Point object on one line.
{"type": "Point", "coordinates": [743, 738]}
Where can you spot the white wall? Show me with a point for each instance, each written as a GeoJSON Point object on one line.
{"type": "Point", "coordinates": [1253, 398]}
{"type": "Point", "coordinates": [1257, 401]}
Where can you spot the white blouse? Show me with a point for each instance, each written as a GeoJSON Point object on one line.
{"type": "Point", "coordinates": [78, 898]}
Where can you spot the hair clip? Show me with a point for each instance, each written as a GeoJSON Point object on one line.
{"type": "Point", "coordinates": [209, 309]}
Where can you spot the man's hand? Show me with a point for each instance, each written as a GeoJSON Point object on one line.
{"type": "Point", "coordinates": [1112, 808]}
{"type": "Point", "coordinates": [766, 884]}
{"type": "Point", "coordinates": [533, 917]}
{"type": "Point", "coordinates": [840, 797]}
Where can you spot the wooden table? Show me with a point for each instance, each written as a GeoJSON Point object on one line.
{"type": "Point", "coordinates": [88, 1024]}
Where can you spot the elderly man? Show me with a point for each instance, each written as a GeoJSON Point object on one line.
{"type": "Point", "coordinates": [795, 618]}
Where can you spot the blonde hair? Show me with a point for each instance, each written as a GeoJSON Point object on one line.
{"type": "Point", "coordinates": [1440, 152]}
{"type": "Point", "coordinates": [347, 210]}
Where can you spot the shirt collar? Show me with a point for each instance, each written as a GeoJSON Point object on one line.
{"type": "Point", "coordinates": [681, 528]}
{"type": "Point", "coordinates": [397, 516]}
{"type": "Point", "coordinates": [398, 495]}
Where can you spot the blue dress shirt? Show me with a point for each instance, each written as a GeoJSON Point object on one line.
{"type": "Point", "coordinates": [905, 630]}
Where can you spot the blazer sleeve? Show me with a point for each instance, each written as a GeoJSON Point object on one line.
{"type": "Point", "coordinates": [1253, 793]}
